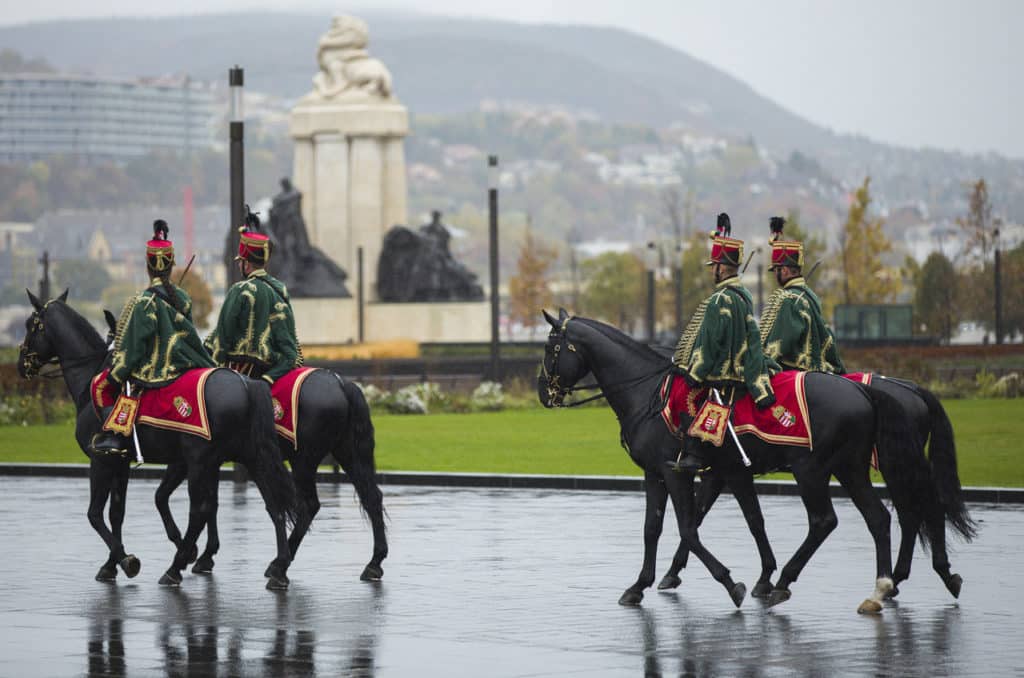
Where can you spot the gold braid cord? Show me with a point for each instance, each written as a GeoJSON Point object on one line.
{"type": "Point", "coordinates": [684, 349]}
{"type": "Point", "coordinates": [122, 320]}
{"type": "Point", "coordinates": [771, 310]}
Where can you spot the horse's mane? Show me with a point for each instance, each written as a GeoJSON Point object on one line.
{"type": "Point", "coordinates": [620, 338]}
{"type": "Point", "coordinates": [83, 327]}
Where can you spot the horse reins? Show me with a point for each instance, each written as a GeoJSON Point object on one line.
{"type": "Point", "coordinates": [555, 389]}
{"type": "Point", "coordinates": [31, 361]}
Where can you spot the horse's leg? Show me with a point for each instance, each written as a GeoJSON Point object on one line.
{"type": "Point", "coordinates": [936, 522]}
{"type": "Point", "coordinates": [821, 520]}
{"type": "Point", "coordinates": [742, 486]}
{"type": "Point", "coordinates": [129, 563]}
{"type": "Point", "coordinates": [877, 518]}
{"type": "Point", "coordinates": [173, 477]}
{"type": "Point", "coordinates": [203, 475]}
{"type": "Point", "coordinates": [204, 565]}
{"type": "Point", "coordinates": [304, 472]}
{"type": "Point", "coordinates": [100, 484]}
{"type": "Point", "coordinates": [657, 497]}
{"type": "Point", "coordinates": [680, 488]}
{"type": "Point", "coordinates": [909, 526]}
{"type": "Point", "coordinates": [711, 485]}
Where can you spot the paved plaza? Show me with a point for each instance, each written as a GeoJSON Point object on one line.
{"type": "Point", "coordinates": [484, 582]}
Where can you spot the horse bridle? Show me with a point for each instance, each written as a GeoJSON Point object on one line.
{"type": "Point", "coordinates": [31, 361]}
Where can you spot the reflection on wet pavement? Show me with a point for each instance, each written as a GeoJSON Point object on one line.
{"type": "Point", "coordinates": [485, 583]}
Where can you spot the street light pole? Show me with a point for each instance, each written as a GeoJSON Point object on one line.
{"type": "Point", "coordinates": [998, 290]}
{"type": "Point", "coordinates": [760, 284]}
{"type": "Point", "coordinates": [492, 206]}
{"type": "Point", "coordinates": [652, 264]}
{"type": "Point", "coordinates": [677, 279]}
{"type": "Point", "coordinates": [236, 134]}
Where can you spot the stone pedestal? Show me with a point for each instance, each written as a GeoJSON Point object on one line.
{"type": "Point", "coordinates": [336, 321]}
{"type": "Point", "coordinates": [349, 155]}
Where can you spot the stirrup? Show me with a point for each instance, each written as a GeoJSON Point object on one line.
{"type": "Point", "coordinates": [107, 444]}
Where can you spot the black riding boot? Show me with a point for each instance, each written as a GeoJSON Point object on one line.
{"type": "Point", "coordinates": [108, 442]}
{"type": "Point", "coordinates": [695, 459]}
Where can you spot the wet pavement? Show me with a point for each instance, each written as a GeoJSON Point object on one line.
{"type": "Point", "coordinates": [484, 582]}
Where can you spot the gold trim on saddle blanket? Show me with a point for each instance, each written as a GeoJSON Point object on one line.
{"type": "Point", "coordinates": [801, 399]}
{"type": "Point", "coordinates": [292, 436]}
{"type": "Point", "coordinates": [203, 430]}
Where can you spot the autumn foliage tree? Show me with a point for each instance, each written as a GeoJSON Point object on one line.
{"type": "Point", "coordinates": [529, 290]}
{"type": "Point", "coordinates": [199, 291]}
{"type": "Point", "coordinates": [614, 288]}
{"type": "Point", "coordinates": [862, 243]}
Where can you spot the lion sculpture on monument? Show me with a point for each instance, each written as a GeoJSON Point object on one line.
{"type": "Point", "coordinates": [346, 68]}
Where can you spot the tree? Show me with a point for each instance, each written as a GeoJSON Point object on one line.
{"type": "Point", "coordinates": [614, 288]}
{"type": "Point", "coordinates": [199, 291]}
{"type": "Point", "coordinates": [935, 297]}
{"type": "Point", "coordinates": [862, 242]}
{"type": "Point", "coordinates": [87, 278]}
{"type": "Point", "coordinates": [977, 225]}
{"type": "Point", "coordinates": [529, 290]}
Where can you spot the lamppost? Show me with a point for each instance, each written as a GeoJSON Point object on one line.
{"type": "Point", "coordinates": [236, 131]}
{"type": "Point", "coordinates": [677, 280]}
{"type": "Point", "coordinates": [998, 285]}
{"type": "Point", "coordinates": [760, 283]}
{"type": "Point", "coordinates": [651, 264]}
{"type": "Point", "coordinates": [492, 202]}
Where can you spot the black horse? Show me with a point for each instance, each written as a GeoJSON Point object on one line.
{"type": "Point", "coordinates": [931, 422]}
{"type": "Point", "coordinates": [335, 420]}
{"type": "Point", "coordinates": [846, 419]}
{"type": "Point", "coordinates": [241, 424]}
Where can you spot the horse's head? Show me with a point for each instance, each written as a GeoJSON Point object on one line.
{"type": "Point", "coordinates": [38, 348]}
{"type": "Point", "coordinates": [562, 366]}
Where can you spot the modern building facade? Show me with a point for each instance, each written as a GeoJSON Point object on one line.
{"type": "Point", "coordinates": [102, 119]}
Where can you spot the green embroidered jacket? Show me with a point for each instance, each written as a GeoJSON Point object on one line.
{"type": "Point", "coordinates": [721, 344]}
{"type": "Point", "coordinates": [155, 343]}
{"type": "Point", "coordinates": [794, 333]}
{"type": "Point", "coordinates": [256, 326]}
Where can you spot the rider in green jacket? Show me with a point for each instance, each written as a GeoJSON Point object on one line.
{"type": "Point", "coordinates": [255, 333]}
{"type": "Point", "coordinates": [721, 346]}
{"type": "Point", "coordinates": [792, 328]}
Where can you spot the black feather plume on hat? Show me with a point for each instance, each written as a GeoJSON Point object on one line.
{"type": "Point", "coordinates": [252, 221]}
{"type": "Point", "coordinates": [776, 225]}
{"type": "Point", "coordinates": [724, 225]}
{"type": "Point", "coordinates": [160, 230]}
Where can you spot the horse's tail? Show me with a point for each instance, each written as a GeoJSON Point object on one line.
{"type": "Point", "coordinates": [946, 479]}
{"type": "Point", "coordinates": [263, 456]}
{"type": "Point", "coordinates": [357, 454]}
{"type": "Point", "coordinates": [901, 460]}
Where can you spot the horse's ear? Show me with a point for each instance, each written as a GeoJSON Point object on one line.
{"type": "Point", "coordinates": [35, 301]}
{"type": "Point", "coordinates": [111, 320]}
{"type": "Point", "coordinates": [64, 296]}
{"type": "Point", "coordinates": [562, 313]}
{"type": "Point", "coordinates": [551, 320]}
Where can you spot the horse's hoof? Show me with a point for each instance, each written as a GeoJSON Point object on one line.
{"type": "Point", "coordinates": [669, 581]}
{"type": "Point", "coordinates": [372, 573]}
{"type": "Point", "coordinates": [203, 566]}
{"type": "Point", "coordinates": [107, 573]}
{"type": "Point", "coordinates": [778, 596]}
{"type": "Point", "coordinates": [738, 592]}
{"type": "Point", "coordinates": [762, 589]}
{"type": "Point", "coordinates": [170, 579]}
{"type": "Point", "coordinates": [277, 583]}
{"type": "Point", "coordinates": [954, 584]}
{"type": "Point", "coordinates": [131, 565]}
{"type": "Point", "coordinates": [631, 598]}
{"type": "Point", "coordinates": [870, 606]}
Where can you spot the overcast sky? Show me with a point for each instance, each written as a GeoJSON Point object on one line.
{"type": "Point", "coordinates": [938, 73]}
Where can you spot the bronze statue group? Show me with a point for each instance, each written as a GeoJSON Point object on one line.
{"type": "Point", "coordinates": [253, 380]}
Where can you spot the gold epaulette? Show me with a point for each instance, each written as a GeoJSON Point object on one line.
{"type": "Point", "coordinates": [771, 310]}
{"type": "Point", "coordinates": [684, 349]}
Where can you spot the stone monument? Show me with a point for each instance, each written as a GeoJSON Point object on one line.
{"type": "Point", "coordinates": [420, 267]}
{"type": "Point", "coordinates": [307, 270]}
{"type": "Point", "coordinates": [349, 156]}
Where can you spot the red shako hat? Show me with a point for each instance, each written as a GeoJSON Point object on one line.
{"type": "Point", "coordinates": [253, 246]}
{"type": "Point", "coordinates": [725, 249]}
{"type": "Point", "coordinates": [160, 250]}
{"type": "Point", "coordinates": [784, 252]}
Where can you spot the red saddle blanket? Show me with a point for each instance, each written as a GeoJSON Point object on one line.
{"type": "Point", "coordinates": [784, 423]}
{"type": "Point", "coordinates": [862, 377]}
{"type": "Point", "coordinates": [285, 392]}
{"type": "Point", "coordinates": [179, 406]}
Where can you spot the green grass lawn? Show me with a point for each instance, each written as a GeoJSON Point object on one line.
{"type": "Point", "coordinates": [584, 441]}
